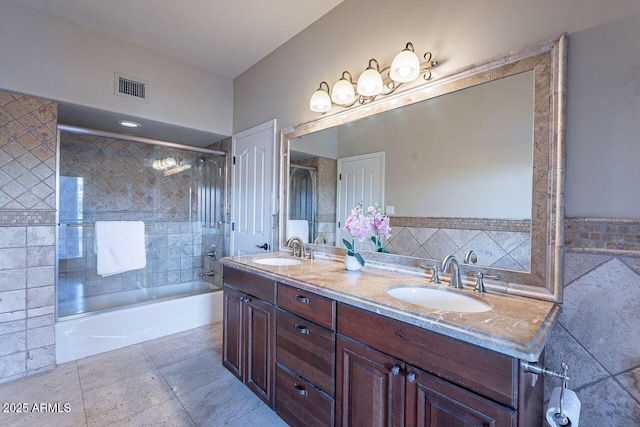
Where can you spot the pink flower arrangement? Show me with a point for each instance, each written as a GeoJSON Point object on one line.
{"type": "Point", "coordinates": [373, 222]}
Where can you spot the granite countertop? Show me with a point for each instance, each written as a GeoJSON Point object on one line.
{"type": "Point", "coordinates": [515, 326]}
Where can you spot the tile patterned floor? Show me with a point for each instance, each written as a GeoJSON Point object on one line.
{"type": "Point", "coordinates": [172, 381]}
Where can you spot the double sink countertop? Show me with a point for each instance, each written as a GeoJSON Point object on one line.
{"type": "Point", "coordinates": [516, 326]}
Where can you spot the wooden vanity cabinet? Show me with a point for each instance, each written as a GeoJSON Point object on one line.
{"type": "Point", "coordinates": [317, 362]}
{"type": "Point", "coordinates": [392, 373]}
{"type": "Point", "coordinates": [249, 331]}
{"type": "Point", "coordinates": [305, 355]}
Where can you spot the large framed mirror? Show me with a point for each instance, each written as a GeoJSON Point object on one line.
{"type": "Point", "coordinates": [471, 161]}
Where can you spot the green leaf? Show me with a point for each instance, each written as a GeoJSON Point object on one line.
{"type": "Point", "coordinates": [348, 245]}
{"type": "Point", "coordinates": [360, 259]}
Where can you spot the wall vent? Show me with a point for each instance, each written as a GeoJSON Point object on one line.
{"type": "Point", "coordinates": [131, 87]}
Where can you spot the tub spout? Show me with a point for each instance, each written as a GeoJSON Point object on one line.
{"type": "Point", "coordinates": [207, 273]}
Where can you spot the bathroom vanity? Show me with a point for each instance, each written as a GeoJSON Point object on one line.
{"type": "Point", "coordinates": [323, 346]}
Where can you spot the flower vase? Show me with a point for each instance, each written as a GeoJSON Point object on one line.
{"type": "Point", "coordinates": [351, 263]}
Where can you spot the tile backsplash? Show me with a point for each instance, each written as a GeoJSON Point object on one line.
{"type": "Point", "coordinates": [497, 243]}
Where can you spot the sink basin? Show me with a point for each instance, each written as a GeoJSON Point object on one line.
{"type": "Point", "coordinates": [438, 299]}
{"type": "Point", "coordinates": [278, 261]}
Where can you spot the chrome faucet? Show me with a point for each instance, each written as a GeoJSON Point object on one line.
{"type": "Point", "coordinates": [296, 245]}
{"type": "Point", "coordinates": [318, 238]}
{"type": "Point", "coordinates": [455, 281]}
{"type": "Point", "coordinates": [207, 273]}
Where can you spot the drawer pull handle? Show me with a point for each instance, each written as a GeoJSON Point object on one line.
{"type": "Point", "coordinates": [395, 370]}
{"type": "Point", "coordinates": [300, 389]}
{"type": "Point", "coordinates": [302, 299]}
{"type": "Point", "coordinates": [303, 330]}
{"type": "Point", "coordinates": [411, 377]}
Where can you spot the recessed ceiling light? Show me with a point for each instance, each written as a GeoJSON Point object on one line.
{"type": "Point", "coordinates": [129, 124]}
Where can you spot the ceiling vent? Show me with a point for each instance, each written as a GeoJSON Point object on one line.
{"type": "Point", "coordinates": [131, 87]}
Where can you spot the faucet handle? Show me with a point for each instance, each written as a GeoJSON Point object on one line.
{"type": "Point", "coordinates": [470, 257]}
{"type": "Point", "coordinates": [480, 276]}
{"type": "Point", "coordinates": [435, 273]}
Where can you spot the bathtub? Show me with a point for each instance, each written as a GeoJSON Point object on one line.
{"type": "Point", "coordinates": [78, 337]}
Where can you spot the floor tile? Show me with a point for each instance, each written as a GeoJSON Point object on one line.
{"type": "Point", "coordinates": [219, 402]}
{"type": "Point", "coordinates": [193, 372]}
{"type": "Point", "coordinates": [49, 415]}
{"type": "Point", "coordinates": [212, 335]}
{"type": "Point", "coordinates": [61, 384]}
{"type": "Point", "coordinates": [113, 366]}
{"type": "Point", "coordinates": [106, 405]}
{"type": "Point", "coordinates": [170, 414]}
{"type": "Point", "coordinates": [261, 416]}
{"type": "Point", "coordinates": [170, 351]}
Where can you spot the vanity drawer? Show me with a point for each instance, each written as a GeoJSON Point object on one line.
{"type": "Point", "coordinates": [251, 284]}
{"type": "Point", "coordinates": [299, 403]}
{"type": "Point", "coordinates": [313, 307]}
{"type": "Point", "coordinates": [307, 349]}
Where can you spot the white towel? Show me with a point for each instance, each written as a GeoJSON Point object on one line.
{"type": "Point", "coordinates": [119, 246]}
{"type": "Point", "coordinates": [298, 228]}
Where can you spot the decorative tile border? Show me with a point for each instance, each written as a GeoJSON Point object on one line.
{"type": "Point", "coordinates": [603, 235]}
{"type": "Point", "coordinates": [26, 218]}
{"type": "Point", "coordinates": [485, 224]}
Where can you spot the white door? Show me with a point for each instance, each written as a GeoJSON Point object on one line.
{"type": "Point", "coordinates": [360, 179]}
{"type": "Point", "coordinates": [252, 187]}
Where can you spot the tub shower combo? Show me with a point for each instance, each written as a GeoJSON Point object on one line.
{"type": "Point", "coordinates": [142, 225]}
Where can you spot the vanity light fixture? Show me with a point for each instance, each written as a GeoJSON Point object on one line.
{"type": "Point", "coordinates": [343, 92]}
{"type": "Point", "coordinates": [406, 67]}
{"type": "Point", "coordinates": [129, 124]}
{"type": "Point", "coordinates": [370, 81]}
{"type": "Point", "coordinates": [320, 101]}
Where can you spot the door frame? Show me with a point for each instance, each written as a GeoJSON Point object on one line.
{"type": "Point", "coordinates": [377, 155]}
{"type": "Point", "coordinates": [274, 188]}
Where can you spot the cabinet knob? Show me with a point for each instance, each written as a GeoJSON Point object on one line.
{"type": "Point", "coordinates": [303, 330]}
{"type": "Point", "coordinates": [300, 389]}
{"type": "Point", "coordinates": [302, 299]}
{"type": "Point", "coordinates": [411, 377]}
{"type": "Point", "coordinates": [395, 370]}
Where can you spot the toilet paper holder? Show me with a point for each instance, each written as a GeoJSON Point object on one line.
{"type": "Point", "coordinates": [537, 368]}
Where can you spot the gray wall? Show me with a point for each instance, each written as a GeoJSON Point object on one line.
{"type": "Point", "coordinates": [603, 101]}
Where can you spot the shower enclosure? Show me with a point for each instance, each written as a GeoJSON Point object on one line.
{"type": "Point", "coordinates": [302, 196]}
{"type": "Point", "coordinates": [179, 194]}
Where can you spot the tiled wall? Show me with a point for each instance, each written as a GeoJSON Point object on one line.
{"type": "Point", "coordinates": [598, 333]}
{"type": "Point", "coordinates": [27, 234]}
{"type": "Point", "coordinates": [497, 243]}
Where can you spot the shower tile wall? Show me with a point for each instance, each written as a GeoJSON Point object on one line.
{"type": "Point", "coordinates": [327, 170]}
{"type": "Point", "coordinates": [27, 233]}
{"type": "Point", "coordinates": [497, 243]}
{"type": "Point", "coordinates": [120, 184]}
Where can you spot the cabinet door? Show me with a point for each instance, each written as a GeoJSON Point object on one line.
{"type": "Point", "coordinates": [369, 386]}
{"type": "Point", "coordinates": [259, 342]}
{"type": "Point", "coordinates": [431, 401]}
{"type": "Point", "coordinates": [232, 338]}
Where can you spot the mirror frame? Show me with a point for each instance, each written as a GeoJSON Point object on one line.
{"type": "Point", "coordinates": [548, 62]}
